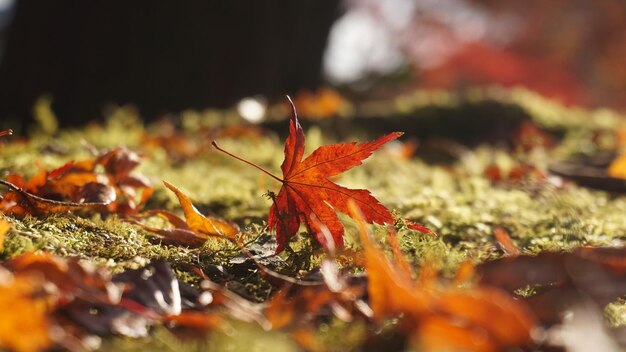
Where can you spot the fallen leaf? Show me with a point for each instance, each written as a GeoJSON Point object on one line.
{"type": "Point", "coordinates": [177, 236]}
{"type": "Point", "coordinates": [154, 286]}
{"type": "Point", "coordinates": [617, 168]}
{"type": "Point", "coordinates": [191, 232]}
{"type": "Point", "coordinates": [5, 226]}
{"type": "Point", "coordinates": [20, 202]}
{"type": "Point", "coordinates": [441, 316]}
{"type": "Point", "coordinates": [80, 185]}
{"type": "Point", "coordinates": [308, 192]}
{"type": "Point", "coordinates": [204, 226]}
{"type": "Point", "coordinates": [323, 103]}
{"type": "Point", "coordinates": [505, 242]}
{"type": "Point", "coordinates": [133, 190]}
{"type": "Point", "coordinates": [529, 136]}
{"type": "Point", "coordinates": [197, 319]}
{"type": "Point", "coordinates": [73, 278]}
{"type": "Point", "coordinates": [24, 323]}
{"type": "Point", "coordinates": [560, 280]}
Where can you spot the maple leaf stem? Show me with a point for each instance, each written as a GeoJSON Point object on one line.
{"type": "Point", "coordinates": [247, 162]}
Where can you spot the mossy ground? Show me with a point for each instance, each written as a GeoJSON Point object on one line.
{"type": "Point", "coordinates": [453, 198]}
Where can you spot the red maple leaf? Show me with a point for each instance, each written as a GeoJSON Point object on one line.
{"type": "Point", "coordinates": [308, 196]}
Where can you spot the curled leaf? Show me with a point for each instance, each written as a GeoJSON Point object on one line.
{"type": "Point", "coordinates": [202, 225]}
{"type": "Point", "coordinates": [20, 202]}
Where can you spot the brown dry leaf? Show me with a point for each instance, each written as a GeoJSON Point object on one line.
{"type": "Point", "coordinates": [80, 185]}
{"type": "Point", "coordinates": [72, 277]}
{"type": "Point", "coordinates": [79, 298]}
{"type": "Point", "coordinates": [389, 284]}
{"type": "Point", "coordinates": [296, 306]}
{"type": "Point", "coordinates": [133, 190]}
{"type": "Point", "coordinates": [226, 302]}
{"type": "Point", "coordinates": [180, 234]}
{"type": "Point", "coordinates": [561, 280]}
{"type": "Point", "coordinates": [175, 236]}
{"type": "Point", "coordinates": [19, 202]}
{"type": "Point", "coordinates": [179, 146]}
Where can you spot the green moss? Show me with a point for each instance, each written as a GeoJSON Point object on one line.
{"type": "Point", "coordinates": [338, 335]}
{"type": "Point", "coordinates": [235, 337]}
{"type": "Point", "coordinates": [615, 314]}
{"type": "Point", "coordinates": [111, 242]}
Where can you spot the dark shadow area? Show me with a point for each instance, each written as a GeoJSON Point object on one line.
{"type": "Point", "coordinates": [162, 56]}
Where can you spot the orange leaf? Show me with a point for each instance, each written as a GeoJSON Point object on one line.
{"type": "Point", "coordinates": [196, 319]}
{"type": "Point", "coordinates": [390, 286]}
{"type": "Point", "coordinates": [200, 224]}
{"type": "Point", "coordinates": [505, 242]}
{"type": "Point", "coordinates": [324, 103]}
{"type": "Point", "coordinates": [441, 317]}
{"type": "Point", "coordinates": [500, 317]}
{"type": "Point", "coordinates": [617, 168]}
{"type": "Point", "coordinates": [24, 323]}
{"type": "Point", "coordinates": [280, 311]}
{"type": "Point", "coordinates": [5, 226]}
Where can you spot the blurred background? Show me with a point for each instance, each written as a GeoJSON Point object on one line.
{"type": "Point", "coordinates": [168, 56]}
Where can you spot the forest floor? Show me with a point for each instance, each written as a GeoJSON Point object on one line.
{"type": "Point", "coordinates": [467, 168]}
